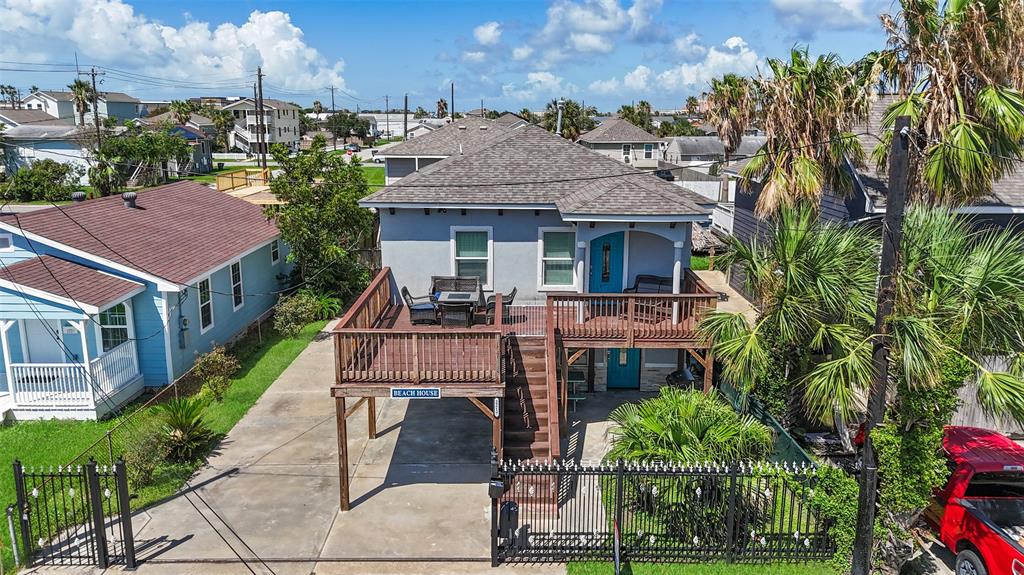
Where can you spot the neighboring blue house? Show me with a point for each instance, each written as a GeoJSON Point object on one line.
{"type": "Point", "coordinates": [101, 298]}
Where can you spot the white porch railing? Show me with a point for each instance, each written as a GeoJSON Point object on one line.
{"type": "Point", "coordinates": [68, 385]}
{"type": "Point", "coordinates": [526, 320]}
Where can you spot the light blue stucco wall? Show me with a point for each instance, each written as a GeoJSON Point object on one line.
{"type": "Point", "coordinates": [417, 246]}
{"type": "Point", "coordinates": [260, 285]}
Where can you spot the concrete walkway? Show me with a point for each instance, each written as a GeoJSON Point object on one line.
{"type": "Point", "coordinates": [271, 491]}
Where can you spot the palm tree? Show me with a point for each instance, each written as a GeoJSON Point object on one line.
{"type": "Point", "coordinates": [959, 72]}
{"type": "Point", "coordinates": [730, 109]}
{"type": "Point", "coordinates": [223, 121]}
{"type": "Point", "coordinates": [575, 118]}
{"type": "Point", "coordinates": [81, 95]}
{"type": "Point", "coordinates": [529, 116]}
{"type": "Point", "coordinates": [182, 111]}
{"type": "Point", "coordinates": [959, 294]}
{"type": "Point", "coordinates": [638, 115]}
{"type": "Point", "coordinates": [442, 108]}
{"type": "Point", "coordinates": [691, 105]}
{"type": "Point", "coordinates": [685, 426]}
{"type": "Point", "coordinates": [318, 108]}
{"type": "Point", "coordinates": [808, 107]}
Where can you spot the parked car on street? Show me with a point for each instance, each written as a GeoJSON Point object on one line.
{"type": "Point", "coordinates": [665, 175]}
{"type": "Point", "coordinates": [979, 514]}
{"type": "Point", "coordinates": [376, 159]}
{"type": "Point", "coordinates": [353, 148]}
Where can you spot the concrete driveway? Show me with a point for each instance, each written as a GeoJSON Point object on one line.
{"type": "Point", "coordinates": [270, 493]}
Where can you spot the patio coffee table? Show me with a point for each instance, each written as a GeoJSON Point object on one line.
{"type": "Point", "coordinates": [459, 297]}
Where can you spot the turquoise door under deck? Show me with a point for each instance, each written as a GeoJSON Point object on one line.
{"type": "Point", "coordinates": [607, 263]}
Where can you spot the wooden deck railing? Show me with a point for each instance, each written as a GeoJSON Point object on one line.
{"type": "Point", "coordinates": [369, 352]}
{"type": "Point", "coordinates": [628, 320]}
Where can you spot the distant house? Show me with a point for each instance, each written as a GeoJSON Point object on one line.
{"type": "Point", "coordinates": [510, 120]}
{"type": "Point", "coordinates": [100, 299]}
{"type": "Point", "coordinates": [201, 152]}
{"type": "Point", "coordinates": [623, 141]}
{"type": "Point", "coordinates": [701, 152]}
{"type": "Point", "coordinates": [60, 104]}
{"type": "Point", "coordinates": [280, 125]}
{"type": "Point", "coordinates": [33, 135]}
{"type": "Point", "coordinates": [195, 121]}
{"type": "Point", "coordinates": [462, 136]}
{"type": "Point", "coordinates": [418, 130]}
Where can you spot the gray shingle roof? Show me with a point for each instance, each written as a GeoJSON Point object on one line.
{"type": "Point", "coordinates": [529, 166]}
{"type": "Point", "coordinates": [465, 135]}
{"type": "Point", "coordinates": [66, 96]}
{"type": "Point", "coordinates": [617, 130]}
{"type": "Point", "coordinates": [38, 117]}
{"type": "Point", "coordinates": [696, 146]}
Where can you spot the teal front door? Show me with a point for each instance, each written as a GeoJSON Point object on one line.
{"type": "Point", "coordinates": [607, 257]}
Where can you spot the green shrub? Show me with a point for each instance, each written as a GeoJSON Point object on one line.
{"type": "Point", "coordinates": [835, 499]}
{"type": "Point", "coordinates": [215, 368]}
{"type": "Point", "coordinates": [144, 453]}
{"type": "Point", "coordinates": [43, 180]}
{"type": "Point", "coordinates": [686, 426]}
{"type": "Point", "coordinates": [292, 313]}
{"type": "Point", "coordinates": [327, 306]}
{"type": "Point", "coordinates": [184, 429]}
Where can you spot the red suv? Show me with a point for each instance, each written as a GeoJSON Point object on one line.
{"type": "Point", "coordinates": [979, 514]}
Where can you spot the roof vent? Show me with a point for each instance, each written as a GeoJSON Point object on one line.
{"type": "Point", "coordinates": [483, 127]}
{"type": "Point", "coordinates": [78, 197]}
{"type": "Point", "coordinates": [129, 199]}
{"type": "Point", "coordinates": [462, 126]}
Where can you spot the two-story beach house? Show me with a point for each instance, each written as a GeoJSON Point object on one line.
{"type": "Point", "coordinates": [514, 262]}
{"type": "Point", "coordinates": [623, 141]}
{"type": "Point", "coordinates": [60, 104]}
{"type": "Point", "coordinates": [280, 125]}
{"type": "Point", "coordinates": [101, 298]}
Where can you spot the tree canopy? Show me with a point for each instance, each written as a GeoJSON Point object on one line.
{"type": "Point", "coordinates": [575, 119]}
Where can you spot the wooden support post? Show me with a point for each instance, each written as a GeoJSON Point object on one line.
{"type": "Point", "coordinates": [339, 408]}
{"type": "Point", "coordinates": [371, 413]}
{"type": "Point", "coordinates": [496, 420]}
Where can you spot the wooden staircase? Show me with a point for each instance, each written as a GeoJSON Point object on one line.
{"type": "Point", "coordinates": [526, 435]}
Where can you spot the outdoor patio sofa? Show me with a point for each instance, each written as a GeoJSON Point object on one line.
{"type": "Point", "coordinates": [453, 283]}
{"type": "Point", "coordinates": [646, 283]}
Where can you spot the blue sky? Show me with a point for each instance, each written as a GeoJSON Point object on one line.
{"type": "Point", "coordinates": [512, 54]}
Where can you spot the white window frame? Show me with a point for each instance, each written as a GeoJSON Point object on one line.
{"type": "Point", "coordinates": [129, 318]}
{"type": "Point", "coordinates": [540, 259]}
{"type": "Point", "coordinates": [490, 251]}
{"type": "Point", "coordinates": [648, 151]}
{"type": "Point", "coordinates": [10, 242]}
{"type": "Point", "coordinates": [240, 285]}
{"type": "Point", "coordinates": [627, 151]}
{"type": "Point", "coordinates": [275, 252]}
{"type": "Point", "coordinates": [199, 303]}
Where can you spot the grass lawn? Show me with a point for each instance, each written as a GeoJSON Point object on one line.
{"type": "Point", "coordinates": [55, 442]}
{"type": "Point", "coordinates": [374, 176]}
{"type": "Point", "coordinates": [210, 177]}
{"type": "Point", "coordinates": [594, 568]}
{"type": "Point", "coordinates": [699, 262]}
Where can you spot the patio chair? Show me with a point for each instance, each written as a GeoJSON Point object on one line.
{"type": "Point", "coordinates": [454, 283]}
{"type": "Point", "coordinates": [506, 306]}
{"type": "Point", "coordinates": [421, 309]}
{"type": "Point", "coordinates": [456, 314]}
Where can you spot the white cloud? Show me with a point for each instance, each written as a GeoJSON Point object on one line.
{"type": "Point", "coordinates": [111, 32]}
{"type": "Point", "coordinates": [588, 42]}
{"type": "Point", "coordinates": [734, 55]}
{"type": "Point", "coordinates": [487, 34]}
{"type": "Point", "coordinates": [689, 47]}
{"type": "Point", "coordinates": [538, 85]}
{"type": "Point", "coordinates": [805, 17]}
{"type": "Point", "coordinates": [522, 52]}
{"type": "Point", "coordinates": [604, 87]}
{"type": "Point", "coordinates": [474, 57]}
{"type": "Point", "coordinates": [637, 79]}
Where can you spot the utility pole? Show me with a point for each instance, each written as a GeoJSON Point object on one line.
{"type": "Point", "coordinates": [387, 119]}
{"type": "Point", "coordinates": [451, 106]}
{"type": "Point", "coordinates": [405, 119]}
{"type": "Point", "coordinates": [892, 235]}
{"type": "Point", "coordinates": [260, 117]}
{"type": "Point", "coordinates": [95, 106]}
{"type": "Point", "coordinates": [483, 112]}
{"type": "Point", "coordinates": [334, 136]}
{"type": "Point", "coordinates": [256, 110]}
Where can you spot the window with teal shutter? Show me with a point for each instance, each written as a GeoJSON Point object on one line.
{"type": "Point", "coordinates": [471, 254]}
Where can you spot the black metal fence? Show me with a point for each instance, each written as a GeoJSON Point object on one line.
{"type": "Point", "coordinates": [74, 515]}
{"type": "Point", "coordinates": [742, 512]}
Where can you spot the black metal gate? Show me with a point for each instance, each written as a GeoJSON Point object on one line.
{"type": "Point", "coordinates": [75, 515]}
{"type": "Point", "coordinates": [739, 512]}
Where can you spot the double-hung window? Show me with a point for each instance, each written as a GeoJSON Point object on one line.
{"type": "Point", "coordinates": [556, 258]}
{"type": "Point", "coordinates": [205, 305]}
{"type": "Point", "coordinates": [471, 253]}
{"type": "Point", "coordinates": [648, 151]}
{"type": "Point", "coordinates": [113, 326]}
{"type": "Point", "coordinates": [237, 296]}
{"type": "Point", "coordinates": [275, 252]}
{"type": "Point", "coordinates": [627, 150]}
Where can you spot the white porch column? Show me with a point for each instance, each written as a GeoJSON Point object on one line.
{"type": "Point", "coordinates": [5, 341]}
{"type": "Point", "coordinates": [581, 277]}
{"type": "Point", "coordinates": [87, 374]}
{"type": "Point", "coordinates": [677, 276]}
